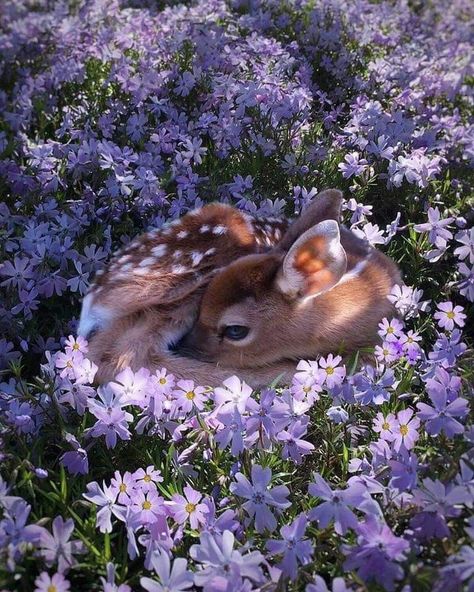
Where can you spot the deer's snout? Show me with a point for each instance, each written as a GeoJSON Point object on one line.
{"type": "Point", "coordinates": [195, 344]}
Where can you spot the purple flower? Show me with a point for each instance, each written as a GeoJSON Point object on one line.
{"type": "Point", "coordinates": [235, 393]}
{"type": "Point", "coordinates": [295, 549]}
{"type": "Point", "coordinates": [76, 462]}
{"type": "Point", "coordinates": [336, 504]}
{"type": "Point", "coordinates": [175, 578]}
{"type": "Point", "coordinates": [105, 498]}
{"type": "Point", "coordinates": [438, 502]}
{"type": "Point", "coordinates": [294, 446]}
{"type": "Point", "coordinates": [448, 315]}
{"type": "Point", "coordinates": [319, 585]}
{"type": "Point", "coordinates": [447, 349]}
{"type": "Point", "coordinates": [57, 547]}
{"type": "Point", "coordinates": [17, 273]}
{"type": "Point", "coordinates": [435, 226]}
{"type": "Point", "coordinates": [404, 471]}
{"type": "Point", "coordinates": [260, 497]}
{"type": "Point", "coordinates": [187, 507]}
{"type": "Point", "coordinates": [353, 165]}
{"type": "Point", "coordinates": [376, 553]}
{"type": "Point", "coordinates": [55, 583]}
{"type": "Point", "coordinates": [441, 417]}
{"type": "Point", "coordinates": [372, 387]}
{"type": "Point", "coordinates": [232, 431]}
{"type": "Point", "coordinates": [221, 563]}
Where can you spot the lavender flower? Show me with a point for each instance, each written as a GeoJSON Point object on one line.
{"type": "Point", "coordinates": [55, 583]}
{"type": "Point", "coordinates": [376, 553]}
{"type": "Point", "coordinates": [175, 578]}
{"type": "Point", "coordinates": [295, 549]}
{"type": "Point", "coordinates": [336, 505]}
{"type": "Point", "coordinates": [57, 548]}
{"type": "Point", "coordinates": [260, 497]}
{"type": "Point", "coordinates": [188, 508]}
{"type": "Point", "coordinates": [222, 563]}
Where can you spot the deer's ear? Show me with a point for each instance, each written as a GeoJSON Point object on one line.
{"type": "Point", "coordinates": [325, 206]}
{"type": "Point", "coordinates": [315, 262]}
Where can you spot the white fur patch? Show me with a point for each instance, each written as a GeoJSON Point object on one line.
{"type": "Point", "coordinates": [159, 250]}
{"type": "Point", "coordinates": [93, 316]}
{"type": "Point", "coordinates": [147, 262]}
{"type": "Point", "coordinates": [355, 271]}
{"type": "Point", "coordinates": [182, 234]}
{"type": "Point", "coordinates": [218, 230]}
{"type": "Point", "coordinates": [178, 269]}
{"type": "Point", "coordinates": [197, 257]}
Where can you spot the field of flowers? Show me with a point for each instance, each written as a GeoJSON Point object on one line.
{"type": "Point", "coordinates": [119, 115]}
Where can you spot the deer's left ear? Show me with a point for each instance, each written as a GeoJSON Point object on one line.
{"type": "Point", "coordinates": [315, 262]}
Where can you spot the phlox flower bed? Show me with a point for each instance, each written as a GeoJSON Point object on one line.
{"type": "Point", "coordinates": [117, 117]}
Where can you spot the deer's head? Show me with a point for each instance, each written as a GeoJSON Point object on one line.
{"type": "Point", "coordinates": [320, 289]}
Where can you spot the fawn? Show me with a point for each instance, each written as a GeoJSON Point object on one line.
{"type": "Point", "coordinates": [230, 294]}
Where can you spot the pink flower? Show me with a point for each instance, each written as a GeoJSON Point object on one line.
{"type": "Point", "coordinates": [187, 507]}
{"type": "Point", "coordinates": [449, 315]}
{"type": "Point", "coordinates": [188, 396]}
{"type": "Point", "coordinates": [385, 426]}
{"type": "Point", "coordinates": [334, 375]}
{"type": "Point", "coordinates": [55, 583]}
{"type": "Point", "coordinates": [405, 430]}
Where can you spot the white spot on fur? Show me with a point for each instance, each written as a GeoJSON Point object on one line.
{"type": "Point", "coordinates": [124, 259]}
{"type": "Point", "coordinates": [178, 269]}
{"type": "Point", "coordinates": [182, 234]}
{"type": "Point", "coordinates": [204, 228]}
{"type": "Point", "coordinates": [147, 262]}
{"type": "Point", "coordinates": [197, 257]}
{"type": "Point", "coordinates": [159, 250]}
{"type": "Point", "coordinates": [210, 251]}
{"type": "Point", "coordinates": [177, 254]}
{"type": "Point", "coordinates": [141, 271]}
{"type": "Point", "coordinates": [220, 229]}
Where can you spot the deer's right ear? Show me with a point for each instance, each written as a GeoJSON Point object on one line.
{"type": "Point", "coordinates": [314, 264]}
{"type": "Point", "coordinates": [325, 206]}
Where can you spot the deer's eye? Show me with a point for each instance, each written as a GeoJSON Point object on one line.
{"type": "Point", "coordinates": [236, 332]}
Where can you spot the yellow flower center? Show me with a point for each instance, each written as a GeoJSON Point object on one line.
{"type": "Point", "coordinates": [190, 395]}
{"type": "Point", "coordinates": [51, 588]}
{"type": "Point", "coordinates": [385, 425]}
{"type": "Point", "coordinates": [306, 389]}
{"type": "Point", "coordinates": [146, 505]}
{"type": "Point", "coordinates": [75, 346]}
{"type": "Point", "coordinates": [390, 330]}
{"type": "Point", "coordinates": [410, 340]}
{"type": "Point", "coordinates": [147, 478]}
{"type": "Point", "coordinates": [329, 370]}
{"type": "Point", "coordinates": [163, 381]}
{"type": "Point", "coordinates": [69, 364]}
{"type": "Point", "coordinates": [190, 508]}
{"type": "Point", "coordinates": [450, 314]}
{"type": "Point", "coordinates": [385, 352]}
{"type": "Point", "coordinates": [403, 430]}
{"type": "Point", "coordinates": [122, 488]}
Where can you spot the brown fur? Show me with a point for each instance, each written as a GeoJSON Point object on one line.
{"type": "Point", "coordinates": [156, 309]}
{"type": "Point", "coordinates": [286, 325]}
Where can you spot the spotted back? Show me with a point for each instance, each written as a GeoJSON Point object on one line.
{"type": "Point", "coordinates": [164, 266]}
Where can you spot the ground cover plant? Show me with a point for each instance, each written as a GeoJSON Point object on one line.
{"type": "Point", "coordinates": [118, 116]}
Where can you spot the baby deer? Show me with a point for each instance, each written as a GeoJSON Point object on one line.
{"type": "Point", "coordinates": [233, 295]}
{"type": "Point", "coordinates": [320, 289]}
{"type": "Point", "coordinates": [148, 296]}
